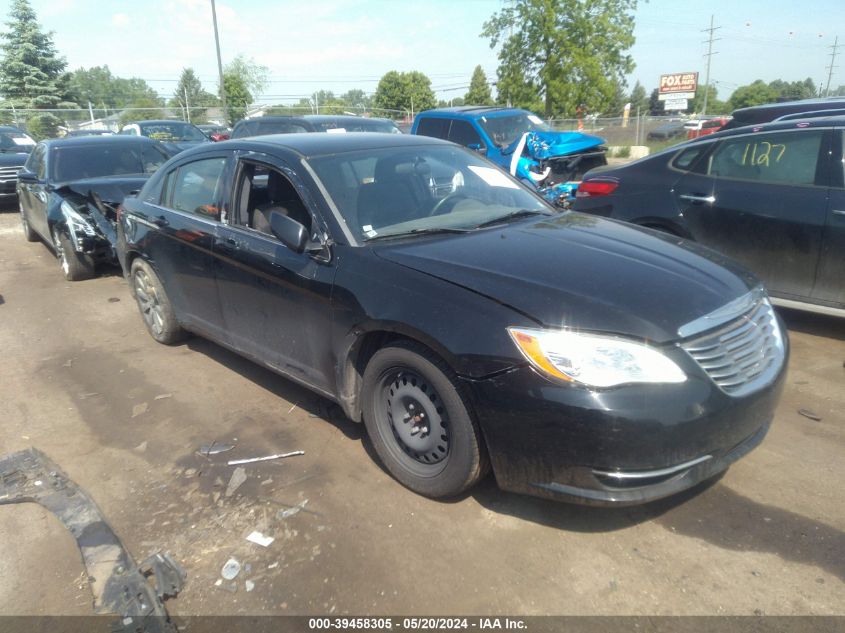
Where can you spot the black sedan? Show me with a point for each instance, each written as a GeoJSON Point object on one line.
{"type": "Point", "coordinates": [466, 324]}
{"type": "Point", "coordinates": [69, 190]}
{"type": "Point", "coordinates": [772, 197]}
{"type": "Point", "coordinates": [15, 146]}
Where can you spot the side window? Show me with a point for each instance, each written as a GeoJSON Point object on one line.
{"type": "Point", "coordinates": [35, 162]}
{"type": "Point", "coordinates": [262, 190]}
{"type": "Point", "coordinates": [438, 128]}
{"type": "Point", "coordinates": [787, 158]}
{"type": "Point", "coordinates": [464, 134]}
{"type": "Point", "coordinates": [196, 187]}
{"type": "Point", "coordinates": [686, 160]}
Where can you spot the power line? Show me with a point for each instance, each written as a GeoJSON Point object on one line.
{"type": "Point", "coordinates": [709, 56]}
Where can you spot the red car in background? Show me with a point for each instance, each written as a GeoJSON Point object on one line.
{"type": "Point", "coordinates": [703, 127]}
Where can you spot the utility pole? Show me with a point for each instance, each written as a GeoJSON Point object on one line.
{"type": "Point", "coordinates": [91, 111]}
{"type": "Point", "coordinates": [709, 56]}
{"type": "Point", "coordinates": [187, 105]}
{"type": "Point", "coordinates": [219, 64]}
{"type": "Point", "coordinates": [833, 51]}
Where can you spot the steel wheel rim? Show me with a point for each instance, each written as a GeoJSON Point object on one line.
{"type": "Point", "coordinates": [414, 422]}
{"type": "Point", "coordinates": [148, 302]}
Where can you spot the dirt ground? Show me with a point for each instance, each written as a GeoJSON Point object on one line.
{"type": "Point", "coordinates": [124, 416]}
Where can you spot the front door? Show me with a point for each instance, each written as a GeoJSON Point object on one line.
{"type": "Point", "coordinates": [761, 199]}
{"type": "Point", "coordinates": [33, 198]}
{"type": "Point", "coordinates": [276, 302]}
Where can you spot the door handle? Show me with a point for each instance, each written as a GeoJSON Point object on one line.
{"type": "Point", "coordinates": [838, 212]}
{"type": "Point", "coordinates": [697, 198]}
{"type": "Point", "coordinates": [160, 221]}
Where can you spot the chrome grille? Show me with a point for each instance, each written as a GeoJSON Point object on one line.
{"type": "Point", "coordinates": [743, 354]}
{"type": "Point", "coordinates": [9, 173]}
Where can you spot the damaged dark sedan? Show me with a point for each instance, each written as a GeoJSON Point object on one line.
{"type": "Point", "coordinates": [466, 323]}
{"type": "Point", "coordinates": [69, 190]}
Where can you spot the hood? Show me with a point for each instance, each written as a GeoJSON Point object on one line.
{"type": "Point", "coordinates": [545, 145]}
{"type": "Point", "coordinates": [13, 159]}
{"type": "Point", "coordinates": [111, 189]}
{"type": "Point", "coordinates": [583, 272]}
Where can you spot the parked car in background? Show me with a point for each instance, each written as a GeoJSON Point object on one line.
{"type": "Point", "coordinates": [216, 132]}
{"type": "Point", "coordinates": [771, 197]}
{"type": "Point", "coordinates": [15, 146]}
{"type": "Point", "coordinates": [703, 127]}
{"type": "Point", "coordinates": [175, 135]}
{"type": "Point", "coordinates": [666, 131]}
{"type": "Point", "coordinates": [76, 133]}
{"type": "Point", "coordinates": [520, 143]}
{"type": "Point", "coordinates": [260, 126]}
{"type": "Point", "coordinates": [69, 190]}
{"type": "Point", "coordinates": [803, 108]}
{"type": "Point", "coordinates": [466, 326]}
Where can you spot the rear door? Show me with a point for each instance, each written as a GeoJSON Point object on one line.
{"type": "Point", "coordinates": [761, 199]}
{"type": "Point", "coordinates": [276, 302]}
{"type": "Point", "coordinates": [187, 220]}
{"type": "Point", "coordinates": [830, 282]}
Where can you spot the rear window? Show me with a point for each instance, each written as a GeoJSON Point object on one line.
{"type": "Point", "coordinates": [686, 159]}
{"type": "Point", "coordinates": [16, 141]}
{"type": "Point", "coordinates": [438, 128]}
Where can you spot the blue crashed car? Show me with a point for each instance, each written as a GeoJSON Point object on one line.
{"type": "Point", "coordinates": [521, 143]}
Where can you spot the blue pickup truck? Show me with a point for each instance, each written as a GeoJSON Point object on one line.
{"type": "Point", "coordinates": [521, 144]}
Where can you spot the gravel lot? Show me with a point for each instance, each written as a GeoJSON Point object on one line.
{"type": "Point", "coordinates": [124, 416]}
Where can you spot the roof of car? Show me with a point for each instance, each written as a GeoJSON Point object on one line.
{"type": "Point", "coordinates": [10, 128]}
{"type": "Point", "coordinates": [158, 122]}
{"type": "Point", "coordinates": [809, 104]}
{"type": "Point", "coordinates": [777, 125]}
{"type": "Point", "coordinates": [342, 118]}
{"type": "Point", "coordinates": [471, 111]}
{"type": "Point", "coordinates": [307, 144]}
{"type": "Point", "coordinates": [113, 139]}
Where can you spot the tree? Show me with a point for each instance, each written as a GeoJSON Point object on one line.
{"type": "Point", "coordinates": [616, 106]}
{"type": "Point", "coordinates": [31, 71]}
{"type": "Point", "coordinates": [191, 98]}
{"type": "Point", "coordinates": [479, 89]}
{"type": "Point", "coordinates": [409, 92]}
{"type": "Point", "coordinates": [357, 99]}
{"type": "Point", "coordinates": [714, 106]}
{"type": "Point", "coordinates": [756, 93]}
{"type": "Point", "coordinates": [253, 76]}
{"type": "Point", "coordinates": [638, 100]}
{"type": "Point", "coordinates": [792, 90]}
{"type": "Point", "coordinates": [655, 105]}
{"type": "Point", "coordinates": [568, 52]}
{"type": "Point", "coordinates": [238, 97]}
{"type": "Point", "coordinates": [838, 92]}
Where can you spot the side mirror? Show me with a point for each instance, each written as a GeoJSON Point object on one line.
{"type": "Point", "coordinates": [291, 233]}
{"type": "Point", "coordinates": [28, 177]}
{"type": "Point", "coordinates": [477, 147]}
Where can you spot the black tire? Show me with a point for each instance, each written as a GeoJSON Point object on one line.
{"type": "Point", "coordinates": [75, 266]}
{"type": "Point", "coordinates": [28, 233]}
{"type": "Point", "coordinates": [435, 448]}
{"type": "Point", "coordinates": [156, 309]}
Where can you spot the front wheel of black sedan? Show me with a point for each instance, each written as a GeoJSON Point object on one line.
{"type": "Point", "coordinates": [76, 266]}
{"type": "Point", "coordinates": [155, 307]}
{"type": "Point", "coordinates": [420, 423]}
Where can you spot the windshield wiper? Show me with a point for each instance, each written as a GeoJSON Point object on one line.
{"type": "Point", "coordinates": [428, 231]}
{"type": "Point", "coordinates": [502, 219]}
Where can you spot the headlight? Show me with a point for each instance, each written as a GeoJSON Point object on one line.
{"type": "Point", "coordinates": [595, 361]}
{"type": "Point", "coordinates": [76, 222]}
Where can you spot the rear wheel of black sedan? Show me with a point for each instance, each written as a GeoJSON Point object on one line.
{"type": "Point", "coordinates": [75, 266]}
{"type": "Point", "coordinates": [28, 233]}
{"type": "Point", "coordinates": [420, 423]}
{"type": "Point", "coordinates": [155, 307]}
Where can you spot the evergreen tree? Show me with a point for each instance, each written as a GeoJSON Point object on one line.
{"type": "Point", "coordinates": [191, 98]}
{"type": "Point", "coordinates": [31, 71]}
{"type": "Point", "coordinates": [479, 89]}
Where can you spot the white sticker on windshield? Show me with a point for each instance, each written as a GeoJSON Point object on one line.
{"type": "Point", "coordinates": [493, 177]}
{"type": "Point", "coordinates": [23, 141]}
{"type": "Point", "coordinates": [336, 130]}
{"type": "Point", "coordinates": [535, 119]}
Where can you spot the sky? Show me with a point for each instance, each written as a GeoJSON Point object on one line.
{"type": "Point", "coordinates": [341, 44]}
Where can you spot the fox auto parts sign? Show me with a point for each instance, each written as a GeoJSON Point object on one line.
{"type": "Point", "coordinates": [678, 86]}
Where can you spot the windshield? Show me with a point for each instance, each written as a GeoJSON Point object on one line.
{"type": "Point", "coordinates": [505, 130]}
{"type": "Point", "coordinates": [15, 142]}
{"type": "Point", "coordinates": [95, 161]}
{"type": "Point", "coordinates": [406, 190]}
{"type": "Point", "coordinates": [175, 131]}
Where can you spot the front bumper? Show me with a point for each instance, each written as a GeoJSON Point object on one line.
{"type": "Point", "coordinates": [622, 446]}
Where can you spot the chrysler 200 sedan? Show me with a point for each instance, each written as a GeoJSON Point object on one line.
{"type": "Point", "coordinates": [466, 323]}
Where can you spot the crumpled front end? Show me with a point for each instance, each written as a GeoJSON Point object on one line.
{"type": "Point", "coordinates": [555, 162]}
